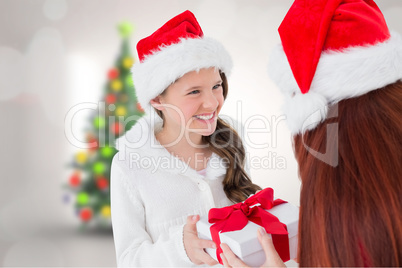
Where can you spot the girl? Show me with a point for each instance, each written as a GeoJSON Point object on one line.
{"type": "Point", "coordinates": [181, 161]}
{"type": "Point", "coordinates": [349, 153]}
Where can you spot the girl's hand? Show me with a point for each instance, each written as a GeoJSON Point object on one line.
{"type": "Point", "coordinates": [195, 246]}
{"type": "Point", "coordinates": [272, 258]}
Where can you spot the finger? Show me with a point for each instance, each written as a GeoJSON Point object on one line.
{"type": "Point", "coordinates": [266, 242]}
{"type": "Point", "coordinates": [192, 219]}
{"type": "Point", "coordinates": [204, 243]}
{"type": "Point", "coordinates": [205, 258]}
{"type": "Point", "coordinates": [224, 260]}
{"type": "Point", "coordinates": [227, 252]}
{"type": "Point", "coordinates": [272, 256]}
{"type": "Point", "coordinates": [191, 223]}
{"type": "Point", "coordinates": [232, 259]}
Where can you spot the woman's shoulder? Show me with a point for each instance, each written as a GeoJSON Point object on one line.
{"type": "Point", "coordinates": [124, 171]}
{"type": "Point", "coordinates": [120, 161]}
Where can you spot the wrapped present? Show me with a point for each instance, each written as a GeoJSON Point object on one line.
{"type": "Point", "coordinates": [237, 226]}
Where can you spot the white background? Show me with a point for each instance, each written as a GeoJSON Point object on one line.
{"type": "Point", "coordinates": [55, 54]}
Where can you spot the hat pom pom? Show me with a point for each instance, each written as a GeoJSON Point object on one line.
{"type": "Point", "coordinates": [305, 111]}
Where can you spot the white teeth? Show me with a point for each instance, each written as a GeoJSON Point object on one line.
{"type": "Point", "coordinates": [204, 117]}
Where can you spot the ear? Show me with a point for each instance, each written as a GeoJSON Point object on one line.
{"type": "Point", "coordinates": [156, 103]}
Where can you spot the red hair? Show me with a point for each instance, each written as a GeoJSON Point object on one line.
{"type": "Point", "coordinates": [351, 212]}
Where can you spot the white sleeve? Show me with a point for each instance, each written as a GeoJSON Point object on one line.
{"type": "Point", "coordinates": [134, 246]}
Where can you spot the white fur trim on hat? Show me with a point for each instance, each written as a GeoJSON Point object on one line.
{"type": "Point", "coordinates": [343, 74]}
{"type": "Point", "coordinates": [314, 111]}
{"type": "Point", "coordinates": [160, 69]}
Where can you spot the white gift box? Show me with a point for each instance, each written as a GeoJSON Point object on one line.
{"type": "Point", "coordinates": [244, 243]}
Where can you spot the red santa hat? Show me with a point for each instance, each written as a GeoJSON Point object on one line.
{"type": "Point", "coordinates": [332, 50]}
{"type": "Point", "coordinates": [175, 49]}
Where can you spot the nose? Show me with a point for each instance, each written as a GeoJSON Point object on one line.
{"type": "Point", "coordinates": [210, 101]}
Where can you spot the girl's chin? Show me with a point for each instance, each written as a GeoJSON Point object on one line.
{"type": "Point", "coordinates": [203, 131]}
{"type": "Point", "coordinates": [203, 128]}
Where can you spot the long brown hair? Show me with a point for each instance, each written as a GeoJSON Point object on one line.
{"type": "Point", "coordinates": [351, 213]}
{"type": "Point", "coordinates": [226, 143]}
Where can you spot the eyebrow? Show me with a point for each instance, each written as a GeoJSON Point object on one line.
{"type": "Point", "coordinates": [198, 87]}
{"type": "Point", "coordinates": [193, 88]}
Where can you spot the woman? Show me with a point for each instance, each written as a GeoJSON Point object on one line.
{"type": "Point", "coordinates": [341, 70]}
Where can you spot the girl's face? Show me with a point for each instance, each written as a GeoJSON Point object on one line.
{"type": "Point", "coordinates": [193, 102]}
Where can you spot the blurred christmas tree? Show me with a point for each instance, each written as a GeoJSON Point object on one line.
{"type": "Point", "coordinates": [117, 113]}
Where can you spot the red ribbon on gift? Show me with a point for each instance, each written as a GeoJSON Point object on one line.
{"type": "Point", "coordinates": [236, 217]}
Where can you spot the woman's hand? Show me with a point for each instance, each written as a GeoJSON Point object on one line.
{"type": "Point", "coordinates": [195, 246]}
{"type": "Point", "coordinates": [272, 258]}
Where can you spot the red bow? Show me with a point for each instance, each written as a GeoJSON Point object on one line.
{"type": "Point", "coordinates": [236, 217]}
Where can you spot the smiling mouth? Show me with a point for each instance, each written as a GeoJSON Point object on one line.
{"type": "Point", "coordinates": [205, 117]}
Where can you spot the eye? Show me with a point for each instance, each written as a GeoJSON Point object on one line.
{"type": "Point", "coordinates": [217, 86]}
{"type": "Point", "coordinates": [194, 92]}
